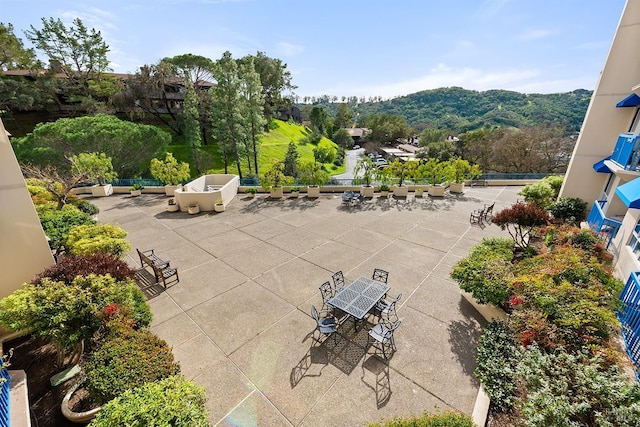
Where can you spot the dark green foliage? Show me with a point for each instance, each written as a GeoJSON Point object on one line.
{"type": "Point", "coordinates": [565, 389]}
{"type": "Point", "coordinates": [84, 206]}
{"type": "Point", "coordinates": [57, 223]}
{"type": "Point", "coordinates": [486, 271]}
{"type": "Point", "coordinates": [128, 360]}
{"type": "Point", "coordinates": [291, 160]}
{"type": "Point", "coordinates": [440, 419]}
{"type": "Point", "coordinates": [69, 266]}
{"type": "Point", "coordinates": [496, 360]}
{"type": "Point", "coordinates": [171, 402]}
{"type": "Point", "coordinates": [569, 209]}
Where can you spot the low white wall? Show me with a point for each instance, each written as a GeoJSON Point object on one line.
{"type": "Point", "coordinates": [197, 191]}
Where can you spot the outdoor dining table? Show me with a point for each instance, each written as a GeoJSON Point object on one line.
{"type": "Point", "coordinates": [350, 198]}
{"type": "Point", "coordinates": [358, 297]}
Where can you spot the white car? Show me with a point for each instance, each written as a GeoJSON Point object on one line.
{"type": "Point", "coordinates": [380, 161]}
{"type": "Point", "coordinates": [356, 147]}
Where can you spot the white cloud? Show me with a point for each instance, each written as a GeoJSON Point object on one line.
{"type": "Point", "coordinates": [534, 34]}
{"type": "Point", "coordinates": [289, 49]}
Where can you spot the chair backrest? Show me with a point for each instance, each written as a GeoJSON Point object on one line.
{"type": "Point", "coordinates": [326, 290]}
{"type": "Point", "coordinates": [380, 275]}
{"type": "Point", "coordinates": [314, 313]}
{"type": "Point", "coordinates": [338, 279]}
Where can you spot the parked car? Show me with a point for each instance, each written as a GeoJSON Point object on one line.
{"type": "Point", "coordinates": [356, 147]}
{"type": "Point", "coordinates": [380, 161]}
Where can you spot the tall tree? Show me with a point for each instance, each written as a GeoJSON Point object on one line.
{"type": "Point", "coordinates": [386, 128]}
{"type": "Point", "coordinates": [226, 111]}
{"type": "Point", "coordinates": [291, 160]}
{"type": "Point", "coordinates": [344, 116]}
{"type": "Point", "coordinates": [13, 54]}
{"type": "Point", "coordinates": [76, 51]}
{"type": "Point", "coordinates": [251, 91]}
{"type": "Point", "coordinates": [198, 68]}
{"type": "Point", "coordinates": [319, 120]}
{"type": "Point", "coordinates": [275, 80]}
{"type": "Point", "coordinates": [191, 113]}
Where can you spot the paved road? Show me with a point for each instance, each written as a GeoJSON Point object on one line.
{"type": "Point", "coordinates": [352, 159]}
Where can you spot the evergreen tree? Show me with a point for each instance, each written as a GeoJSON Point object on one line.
{"type": "Point", "coordinates": [253, 110]}
{"type": "Point", "coordinates": [192, 121]}
{"type": "Point", "coordinates": [291, 160]}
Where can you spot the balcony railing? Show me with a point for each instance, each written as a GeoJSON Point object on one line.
{"type": "Point", "coordinates": [627, 151]}
{"type": "Point", "coordinates": [629, 317]}
{"type": "Point", "coordinates": [606, 228]}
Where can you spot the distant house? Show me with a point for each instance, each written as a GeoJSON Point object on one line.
{"type": "Point", "coordinates": [286, 114]}
{"type": "Point", "coordinates": [357, 134]}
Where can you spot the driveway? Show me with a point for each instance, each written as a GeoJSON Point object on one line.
{"type": "Point", "coordinates": [351, 159]}
{"type": "Point", "coordinates": [239, 319]}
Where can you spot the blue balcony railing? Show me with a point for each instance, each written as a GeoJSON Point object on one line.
{"type": "Point", "coordinates": [627, 151]}
{"type": "Point", "coordinates": [629, 317]}
{"type": "Point", "coordinates": [4, 397]}
{"type": "Point", "coordinates": [606, 228]}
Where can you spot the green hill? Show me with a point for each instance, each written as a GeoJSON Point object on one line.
{"type": "Point", "coordinates": [460, 109]}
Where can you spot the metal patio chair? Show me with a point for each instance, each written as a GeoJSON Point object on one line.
{"type": "Point", "coordinates": [380, 275]}
{"type": "Point", "coordinates": [381, 336]}
{"type": "Point", "coordinates": [338, 280]}
{"type": "Point", "coordinates": [326, 325]}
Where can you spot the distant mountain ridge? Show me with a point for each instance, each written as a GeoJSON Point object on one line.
{"type": "Point", "coordinates": [461, 109]}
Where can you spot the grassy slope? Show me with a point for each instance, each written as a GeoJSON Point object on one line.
{"type": "Point", "coordinates": [273, 149]}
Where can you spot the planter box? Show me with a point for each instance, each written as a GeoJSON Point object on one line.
{"type": "Point", "coordinates": [456, 187]}
{"type": "Point", "coordinates": [250, 195]}
{"type": "Point", "coordinates": [173, 208]}
{"type": "Point", "coordinates": [419, 192]}
{"type": "Point", "coordinates": [384, 193]}
{"type": "Point", "coordinates": [170, 190]}
{"type": "Point", "coordinates": [276, 193]}
{"type": "Point", "coordinates": [136, 193]}
{"type": "Point", "coordinates": [218, 207]}
{"type": "Point", "coordinates": [102, 190]}
{"type": "Point", "coordinates": [436, 190]}
{"type": "Point", "coordinates": [193, 209]}
{"type": "Point", "coordinates": [367, 191]}
{"type": "Point", "coordinates": [313, 191]}
{"type": "Point", "coordinates": [400, 191]}
{"type": "Point", "coordinates": [295, 194]}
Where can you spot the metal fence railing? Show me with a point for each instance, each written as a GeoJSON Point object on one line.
{"type": "Point", "coordinates": [629, 317]}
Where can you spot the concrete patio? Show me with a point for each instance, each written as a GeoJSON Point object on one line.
{"type": "Point", "coordinates": [239, 320]}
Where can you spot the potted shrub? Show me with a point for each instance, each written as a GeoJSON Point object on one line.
{"type": "Point", "coordinates": [193, 208]}
{"type": "Point", "coordinates": [384, 190]}
{"type": "Point", "coordinates": [172, 206]}
{"type": "Point", "coordinates": [401, 170]}
{"type": "Point", "coordinates": [170, 172]}
{"type": "Point", "coordinates": [95, 167]}
{"type": "Point", "coordinates": [219, 205]}
{"type": "Point", "coordinates": [250, 192]}
{"type": "Point", "coordinates": [461, 170]}
{"type": "Point", "coordinates": [364, 172]}
{"type": "Point", "coordinates": [295, 192]}
{"type": "Point", "coordinates": [436, 174]}
{"type": "Point", "coordinates": [312, 175]}
{"type": "Point", "coordinates": [274, 179]}
{"type": "Point", "coordinates": [136, 189]}
{"type": "Point", "coordinates": [419, 192]}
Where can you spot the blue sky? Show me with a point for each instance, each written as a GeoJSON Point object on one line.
{"type": "Point", "coordinates": [360, 47]}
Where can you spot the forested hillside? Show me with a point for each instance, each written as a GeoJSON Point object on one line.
{"type": "Point", "coordinates": [462, 110]}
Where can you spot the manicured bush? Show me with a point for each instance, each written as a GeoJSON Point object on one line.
{"type": "Point", "coordinates": [496, 363]}
{"type": "Point", "coordinates": [127, 360]}
{"type": "Point", "coordinates": [84, 206]}
{"type": "Point", "coordinates": [544, 192]}
{"type": "Point", "coordinates": [486, 271]}
{"type": "Point", "coordinates": [569, 209]}
{"type": "Point", "coordinates": [439, 419]}
{"type": "Point", "coordinates": [69, 266]}
{"type": "Point", "coordinates": [565, 389]}
{"type": "Point", "coordinates": [169, 171]}
{"type": "Point", "coordinates": [57, 223]}
{"type": "Point", "coordinates": [94, 238]}
{"type": "Point", "coordinates": [65, 314]}
{"type": "Point", "coordinates": [521, 220]}
{"type": "Point", "coordinates": [171, 402]}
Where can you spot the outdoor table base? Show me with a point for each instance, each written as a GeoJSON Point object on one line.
{"type": "Point", "coordinates": [357, 298]}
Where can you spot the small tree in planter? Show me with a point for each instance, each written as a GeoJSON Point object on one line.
{"type": "Point", "coordinates": [401, 170]}
{"type": "Point", "coordinates": [364, 171]}
{"type": "Point", "coordinates": [96, 167]}
{"type": "Point", "coordinates": [312, 175]}
{"type": "Point", "coordinates": [274, 179]}
{"type": "Point", "coordinates": [435, 173]}
{"type": "Point", "coordinates": [461, 170]}
{"type": "Point", "coordinates": [170, 172]}
{"type": "Point", "coordinates": [520, 220]}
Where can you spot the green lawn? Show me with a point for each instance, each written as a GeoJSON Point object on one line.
{"type": "Point", "coordinates": [273, 149]}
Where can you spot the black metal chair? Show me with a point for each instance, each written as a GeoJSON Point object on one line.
{"type": "Point", "coordinates": [338, 280]}
{"type": "Point", "coordinates": [476, 216]}
{"type": "Point", "coordinates": [327, 291]}
{"type": "Point", "coordinates": [325, 325]}
{"type": "Point", "coordinates": [381, 336]}
{"type": "Point", "coordinates": [488, 211]}
{"type": "Point", "coordinates": [380, 275]}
